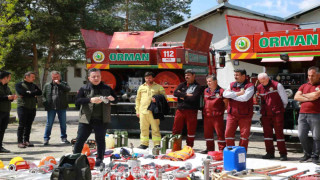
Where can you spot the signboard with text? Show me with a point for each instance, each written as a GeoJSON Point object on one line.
{"type": "Point", "coordinates": [168, 55]}
{"type": "Point", "coordinates": [280, 41]}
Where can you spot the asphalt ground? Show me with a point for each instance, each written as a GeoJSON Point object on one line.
{"type": "Point", "coordinates": [56, 149]}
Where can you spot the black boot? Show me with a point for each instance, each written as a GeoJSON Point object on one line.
{"type": "Point", "coordinates": [268, 156]}
{"type": "Point", "coordinates": [305, 158]}
{"type": "Point", "coordinates": [283, 157]}
{"type": "Point", "coordinates": [142, 146]}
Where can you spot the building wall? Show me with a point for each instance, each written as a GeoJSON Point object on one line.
{"type": "Point", "coordinates": [214, 24]}
{"type": "Point", "coordinates": [76, 82]}
{"type": "Point", "coordinates": [309, 20]}
{"type": "Point", "coordinates": [312, 16]}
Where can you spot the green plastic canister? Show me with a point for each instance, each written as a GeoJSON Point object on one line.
{"type": "Point", "coordinates": [117, 139]}
{"type": "Point", "coordinates": [124, 138]}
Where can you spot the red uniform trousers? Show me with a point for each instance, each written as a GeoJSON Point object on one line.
{"type": "Point", "coordinates": [188, 116]}
{"type": "Point", "coordinates": [269, 122]}
{"type": "Point", "coordinates": [214, 123]}
{"type": "Point", "coordinates": [244, 123]}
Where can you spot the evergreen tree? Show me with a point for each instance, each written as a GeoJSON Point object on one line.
{"type": "Point", "coordinates": [157, 15]}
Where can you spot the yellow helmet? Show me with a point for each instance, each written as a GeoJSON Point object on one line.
{"type": "Point", "coordinates": [16, 159]}
{"type": "Point", "coordinates": [1, 165]}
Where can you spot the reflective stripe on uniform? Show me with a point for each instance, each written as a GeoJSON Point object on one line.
{"type": "Point", "coordinates": [191, 135]}
{"type": "Point", "coordinates": [142, 138]}
{"type": "Point", "coordinates": [209, 139]}
{"type": "Point", "coordinates": [244, 139]}
{"type": "Point", "coordinates": [156, 138]}
{"type": "Point", "coordinates": [271, 139]}
{"type": "Point", "coordinates": [268, 93]}
{"type": "Point", "coordinates": [280, 139]}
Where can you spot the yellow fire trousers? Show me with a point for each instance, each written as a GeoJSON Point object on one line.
{"type": "Point", "coordinates": [145, 121]}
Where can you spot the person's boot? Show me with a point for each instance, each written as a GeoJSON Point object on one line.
{"type": "Point", "coordinates": [142, 146]}
{"type": "Point", "coordinates": [268, 156]}
{"type": "Point", "coordinates": [64, 141]}
{"type": "Point", "coordinates": [315, 159]}
{"type": "Point", "coordinates": [283, 157]}
{"type": "Point", "coordinates": [21, 145]}
{"type": "Point", "coordinates": [4, 150]}
{"type": "Point", "coordinates": [305, 158]}
{"type": "Point", "coordinates": [98, 163]}
{"type": "Point", "coordinates": [28, 144]}
{"type": "Point", "coordinates": [46, 142]}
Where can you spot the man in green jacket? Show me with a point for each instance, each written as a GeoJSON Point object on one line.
{"type": "Point", "coordinates": [6, 98]}
{"type": "Point", "coordinates": [55, 102]}
{"type": "Point", "coordinates": [27, 102]}
{"type": "Point", "coordinates": [95, 112]}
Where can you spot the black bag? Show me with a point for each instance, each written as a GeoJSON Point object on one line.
{"type": "Point", "coordinates": [71, 167]}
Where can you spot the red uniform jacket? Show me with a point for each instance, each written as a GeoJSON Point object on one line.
{"type": "Point", "coordinates": [237, 107]}
{"type": "Point", "coordinates": [213, 102]}
{"type": "Point", "coordinates": [271, 102]}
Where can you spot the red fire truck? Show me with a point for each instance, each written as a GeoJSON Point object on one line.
{"type": "Point", "coordinates": [124, 57]}
{"type": "Point", "coordinates": [284, 49]}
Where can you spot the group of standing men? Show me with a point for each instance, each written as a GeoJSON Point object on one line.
{"type": "Point", "coordinates": [54, 101]}
{"type": "Point", "coordinates": [93, 98]}
{"type": "Point", "coordinates": [94, 101]}
{"type": "Point", "coordinates": [237, 99]}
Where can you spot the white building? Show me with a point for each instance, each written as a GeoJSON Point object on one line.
{"type": "Point", "coordinates": [214, 21]}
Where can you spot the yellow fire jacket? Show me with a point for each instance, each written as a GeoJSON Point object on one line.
{"type": "Point", "coordinates": [144, 96]}
{"type": "Point", "coordinates": [182, 155]}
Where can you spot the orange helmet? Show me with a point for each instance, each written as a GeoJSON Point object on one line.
{"type": "Point", "coordinates": [86, 150]}
{"type": "Point", "coordinates": [47, 160]}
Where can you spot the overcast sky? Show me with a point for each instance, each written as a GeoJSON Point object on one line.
{"type": "Point", "coordinates": [281, 8]}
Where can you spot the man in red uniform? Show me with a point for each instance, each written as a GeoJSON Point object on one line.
{"type": "Point", "coordinates": [213, 111]}
{"type": "Point", "coordinates": [188, 94]}
{"type": "Point", "coordinates": [240, 108]}
{"type": "Point", "coordinates": [309, 118]}
{"type": "Point", "coordinates": [273, 102]}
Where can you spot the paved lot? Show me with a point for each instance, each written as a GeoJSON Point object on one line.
{"type": "Point", "coordinates": [56, 149]}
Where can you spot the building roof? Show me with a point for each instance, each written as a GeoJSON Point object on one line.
{"type": "Point", "coordinates": [226, 48]}
{"type": "Point", "coordinates": [208, 12]}
{"type": "Point", "coordinates": [309, 25]}
{"type": "Point", "coordinates": [304, 11]}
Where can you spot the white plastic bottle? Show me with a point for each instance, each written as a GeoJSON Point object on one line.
{"type": "Point", "coordinates": [109, 141]}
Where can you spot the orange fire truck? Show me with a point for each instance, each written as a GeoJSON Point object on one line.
{"type": "Point", "coordinates": [284, 49]}
{"type": "Point", "coordinates": [124, 57]}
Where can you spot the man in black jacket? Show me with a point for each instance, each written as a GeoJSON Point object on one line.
{"type": "Point", "coordinates": [188, 94]}
{"type": "Point", "coordinates": [27, 102]}
{"type": "Point", "coordinates": [95, 112]}
{"type": "Point", "coordinates": [55, 102]}
{"type": "Point", "coordinates": [6, 98]}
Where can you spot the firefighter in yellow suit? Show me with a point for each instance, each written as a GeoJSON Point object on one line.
{"type": "Point", "coordinates": [143, 100]}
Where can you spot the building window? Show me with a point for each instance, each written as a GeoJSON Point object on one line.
{"type": "Point", "coordinates": [77, 72]}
